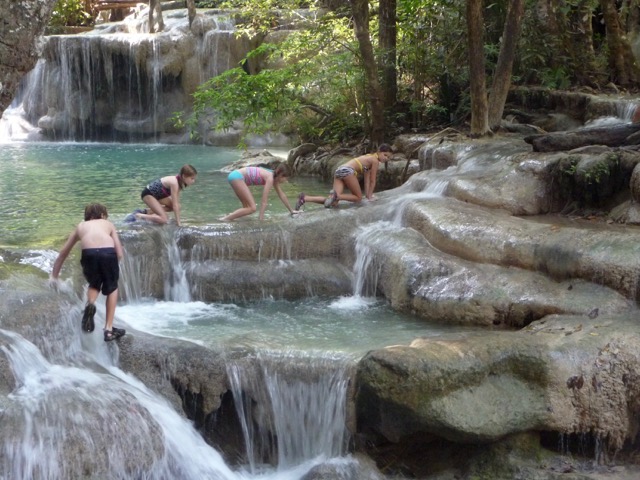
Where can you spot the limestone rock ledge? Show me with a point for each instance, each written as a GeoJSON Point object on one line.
{"type": "Point", "coordinates": [564, 374]}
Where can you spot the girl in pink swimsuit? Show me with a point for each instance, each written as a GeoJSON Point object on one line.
{"type": "Point", "coordinates": [241, 179]}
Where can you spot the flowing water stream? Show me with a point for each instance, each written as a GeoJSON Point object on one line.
{"type": "Point", "coordinates": [304, 350]}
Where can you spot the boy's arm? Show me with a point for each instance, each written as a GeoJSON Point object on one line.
{"type": "Point", "coordinates": [64, 253]}
{"type": "Point", "coordinates": [116, 243]}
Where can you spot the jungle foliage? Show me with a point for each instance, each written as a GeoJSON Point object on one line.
{"type": "Point", "coordinates": [71, 13]}
{"type": "Point", "coordinates": [312, 83]}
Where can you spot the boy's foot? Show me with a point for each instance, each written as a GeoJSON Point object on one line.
{"type": "Point", "coordinates": [118, 332]}
{"type": "Point", "coordinates": [87, 318]}
{"type": "Point", "coordinates": [332, 199]}
{"type": "Point", "coordinates": [113, 334]}
{"type": "Point", "coordinates": [300, 202]}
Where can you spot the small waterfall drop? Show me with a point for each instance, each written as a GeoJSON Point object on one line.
{"type": "Point", "coordinates": [176, 287]}
{"type": "Point", "coordinates": [299, 402]}
{"type": "Point", "coordinates": [366, 270]}
{"type": "Point", "coordinates": [140, 275]}
{"type": "Point", "coordinates": [63, 421]}
{"type": "Point", "coordinates": [214, 51]}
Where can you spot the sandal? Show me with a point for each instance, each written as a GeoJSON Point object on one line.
{"type": "Point", "coordinates": [300, 202]}
{"type": "Point", "coordinates": [87, 318]}
{"type": "Point", "coordinates": [118, 332]}
{"type": "Point", "coordinates": [109, 336]}
{"type": "Point", "coordinates": [332, 200]}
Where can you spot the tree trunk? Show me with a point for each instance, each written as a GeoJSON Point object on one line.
{"type": "Point", "coordinates": [21, 25]}
{"type": "Point", "coordinates": [360, 10]}
{"type": "Point", "coordinates": [569, 30]}
{"type": "Point", "coordinates": [155, 9]}
{"type": "Point", "coordinates": [191, 8]}
{"type": "Point", "coordinates": [479, 106]}
{"type": "Point", "coordinates": [614, 136]}
{"type": "Point", "coordinates": [387, 41]}
{"type": "Point", "coordinates": [630, 18]}
{"type": "Point", "coordinates": [582, 52]}
{"type": "Point", "coordinates": [502, 76]}
{"type": "Point", "coordinates": [624, 70]}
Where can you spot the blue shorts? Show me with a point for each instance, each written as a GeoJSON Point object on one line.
{"type": "Point", "coordinates": [235, 175]}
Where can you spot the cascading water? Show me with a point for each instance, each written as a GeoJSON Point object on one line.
{"type": "Point", "coordinates": [121, 83]}
{"type": "Point", "coordinates": [176, 287]}
{"type": "Point", "coordinates": [365, 269]}
{"type": "Point", "coordinates": [137, 280]}
{"type": "Point", "coordinates": [292, 407]}
{"type": "Point", "coordinates": [214, 50]}
{"type": "Point", "coordinates": [74, 420]}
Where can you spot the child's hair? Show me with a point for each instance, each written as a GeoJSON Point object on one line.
{"type": "Point", "coordinates": [95, 211]}
{"type": "Point", "coordinates": [384, 147]}
{"type": "Point", "coordinates": [186, 171]}
{"type": "Point", "coordinates": [282, 170]}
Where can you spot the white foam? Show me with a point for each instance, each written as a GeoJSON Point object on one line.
{"type": "Point", "coordinates": [354, 302]}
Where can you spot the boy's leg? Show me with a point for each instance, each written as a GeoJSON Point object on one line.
{"type": "Point", "coordinates": [92, 295]}
{"type": "Point", "coordinates": [89, 310]}
{"type": "Point", "coordinates": [112, 300]}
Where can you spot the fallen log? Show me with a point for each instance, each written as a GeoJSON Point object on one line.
{"type": "Point", "coordinates": [612, 136]}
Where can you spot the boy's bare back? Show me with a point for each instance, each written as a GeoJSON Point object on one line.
{"type": "Point", "coordinates": [96, 233]}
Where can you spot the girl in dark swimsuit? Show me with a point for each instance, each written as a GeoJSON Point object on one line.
{"type": "Point", "coordinates": [163, 195]}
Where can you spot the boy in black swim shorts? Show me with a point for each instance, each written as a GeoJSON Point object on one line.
{"type": "Point", "coordinates": [101, 251]}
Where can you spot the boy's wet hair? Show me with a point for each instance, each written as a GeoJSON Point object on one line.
{"type": "Point", "coordinates": [186, 171]}
{"type": "Point", "coordinates": [95, 211]}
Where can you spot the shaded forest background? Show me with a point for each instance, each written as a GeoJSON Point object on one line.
{"type": "Point", "coordinates": [353, 70]}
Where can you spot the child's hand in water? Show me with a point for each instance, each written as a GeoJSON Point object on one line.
{"type": "Point", "coordinates": [54, 284]}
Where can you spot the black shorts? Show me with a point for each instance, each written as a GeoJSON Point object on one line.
{"type": "Point", "coordinates": [100, 268]}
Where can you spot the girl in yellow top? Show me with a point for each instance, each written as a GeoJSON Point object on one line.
{"type": "Point", "coordinates": [346, 176]}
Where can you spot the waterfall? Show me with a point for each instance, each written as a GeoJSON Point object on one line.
{"type": "Point", "coordinates": [68, 421]}
{"type": "Point", "coordinates": [176, 287]}
{"type": "Point", "coordinates": [141, 275]}
{"type": "Point", "coordinates": [118, 84]}
{"type": "Point", "coordinates": [214, 51]}
{"type": "Point", "coordinates": [365, 270]}
{"type": "Point", "coordinates": [292, 407]}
